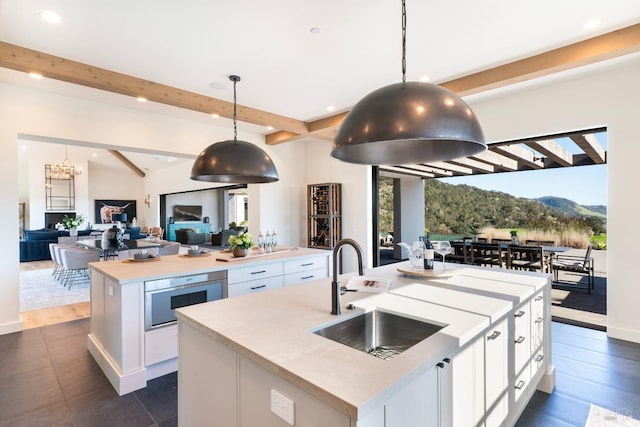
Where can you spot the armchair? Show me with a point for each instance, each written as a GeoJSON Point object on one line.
{"type": "Point", "coordinates": [574, 264]}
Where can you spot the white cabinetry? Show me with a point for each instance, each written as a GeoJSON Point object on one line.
{"type": "Point", "coordinates": [261, 277]}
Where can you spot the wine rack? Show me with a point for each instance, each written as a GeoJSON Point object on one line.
{"type": "Point", "coordinates": [325, 218]}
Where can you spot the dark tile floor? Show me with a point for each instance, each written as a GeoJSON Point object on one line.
{"type": "Point", "coordinates": [48, 378]}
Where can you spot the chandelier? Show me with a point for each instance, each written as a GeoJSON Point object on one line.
{"type": "Point", "coordinates": [65, 170]}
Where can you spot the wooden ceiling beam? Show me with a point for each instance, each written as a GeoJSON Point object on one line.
{"type": "Point", "coordinates": [606, 46]}
{"type": "Point", "coordinates": [519, 154]}
{"type": "Point", "coordinates": [553, 151]}
{"type": "Point", "coordinates": [600, 48]}
{"type": "Point", "coordinates": [406, 171]}
{"type": "Point", "coordinates": [128, 163]}
{"type": "Point", "coordinates": [462, 170]}
{"type": "Point", "coordinates": [497, 160]}
{"type": "Point", "coordinates": [592, 148]}
{"type": "Point", "coordinates": [28, 60]}
{"type": "Point", "coordinates": [610, 45]}
{"type": "Point", "coordinates": [473, 164]}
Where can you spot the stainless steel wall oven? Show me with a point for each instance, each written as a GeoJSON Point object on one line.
{"type": "Point", "coordinates": [162, 297]}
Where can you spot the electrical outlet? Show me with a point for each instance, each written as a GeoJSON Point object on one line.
{"type": "Point", "coordinates": [283, 407]}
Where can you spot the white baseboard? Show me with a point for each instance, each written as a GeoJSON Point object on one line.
{"type": "Point", "coordinates": [9, 328]}
{"type": "Point", "coordinates": [623, 334]}
{"type": "Point", "coordinates": [123, 383]}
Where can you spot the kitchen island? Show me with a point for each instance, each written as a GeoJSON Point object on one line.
{"type": "Point", "coordinates": [134, 336]}
{"type": "Point", "coordinates": [256, 360]}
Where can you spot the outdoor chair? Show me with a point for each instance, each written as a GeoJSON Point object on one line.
{"type": "Point", "coordinates": [459, 253]}
{"type": "Point", "coordinates": [574, 264]}
{"type": "Point", "coordinates": [529, 258]}
{"type": "Point", "coordinates": [486, 254]}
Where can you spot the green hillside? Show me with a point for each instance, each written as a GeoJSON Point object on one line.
{"type": "Point", "coordinates": [571, 208]}
{"type": "Point", "coordinates": [454, 208]}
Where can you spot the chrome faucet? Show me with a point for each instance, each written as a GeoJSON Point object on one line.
{"type": "Point", "coordinates": [335, 284]}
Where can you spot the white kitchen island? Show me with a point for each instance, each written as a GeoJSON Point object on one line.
{"type": "Point", "coordinates": [130, 352]}
{"type": "Point", "coordinates": [245, 359]}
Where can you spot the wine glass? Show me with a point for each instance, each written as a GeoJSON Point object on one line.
{"type": "Point", "coordinates": [416, 254]}
{"type": "Point", "coordinates": [442, 248]}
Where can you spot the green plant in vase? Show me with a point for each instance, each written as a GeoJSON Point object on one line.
{"type": "Point", "coordinates": [514, 236]}
{"type": "Point", "coordinates": [240, 244]}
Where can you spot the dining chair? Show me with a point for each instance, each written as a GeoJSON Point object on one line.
{"type": "Point", "coordinates": [76, 264]}
{"type": "Point", "coordinates": [523, 257]}
{"type": "Point", "coordinates": [486, 254]}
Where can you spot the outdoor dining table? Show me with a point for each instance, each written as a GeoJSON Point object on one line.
{"type": "Point", "coordinates": [111, 251]}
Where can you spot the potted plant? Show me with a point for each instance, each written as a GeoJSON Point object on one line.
{"type": "Point", "coordinates": [72, 224]}
{"type": "Point", "coordinates": [240, 244]}
{"type": "Point", "coordinates": [474, 233]}
{"type": "Point", "coordinates": [514, 237]}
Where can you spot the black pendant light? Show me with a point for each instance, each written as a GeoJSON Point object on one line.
{"type": "Point", "coordinates": [234, 161]}
{"type": "Point", "coordinates": [408, 123]}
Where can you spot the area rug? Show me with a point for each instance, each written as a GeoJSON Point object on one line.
{"type": "Point", "coordinates": [601, 417]}
{"type": "Point", "coordinates": [38, 289]}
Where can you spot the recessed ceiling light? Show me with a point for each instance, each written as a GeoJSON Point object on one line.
{"type": "Point", "coordinates": [331, 108]}
{"type": "Point", "coordinates": [218, 85]}
{"type": "Point", "coordinates": [592, 23]}
{"type": "Point", "coordinates": [141, 99]}
{"type": "Point", "coordinates": [423, 79]}
{"type": "Point", "coordinates": [315, 30]}
{"type": "Point", "coordinates": [35, 75]}
{"type": "Point", "coordinates": [270, 127]}
{"type": "Point", "coordinates": [50, 16]}
{"type": "Point", "coordinates": [215, 115]}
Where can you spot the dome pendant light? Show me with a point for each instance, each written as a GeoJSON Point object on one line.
{"type": "Point", "coordinates": [234, 161]}
{"type": "Point", "coordinates": [408, 123]}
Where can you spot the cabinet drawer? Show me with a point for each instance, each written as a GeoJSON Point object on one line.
{"type": "Point", "coordinates": [305, 276]}
{"type": "Point", "coordinates": [298, 265]}
{"type": "Point", "coordinates": [160, 344]}
{"type": "Point", "coordinates": [244, 274]}
{"type": "Point", "coordinates": [521, 383]}
{"type": "Point", "coordinates": [251, 286]}
{"type": "Point", "coordinates": [522, 336]}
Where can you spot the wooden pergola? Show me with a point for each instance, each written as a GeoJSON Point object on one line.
{"type": "Point", "coordinates": [543, 152]}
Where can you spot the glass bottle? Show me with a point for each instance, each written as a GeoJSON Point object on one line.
{"type": "Point", "coordinates": [274, 241]}
{"type": "Point", "coordinates": [428, 255]}
{"type": "Point", "coordinates": [260, 243]}
{"type": "Point", "coordinates": [267, 243]}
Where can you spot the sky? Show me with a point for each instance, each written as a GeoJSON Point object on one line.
{"type": "Point", "coordinates": [585, 185]}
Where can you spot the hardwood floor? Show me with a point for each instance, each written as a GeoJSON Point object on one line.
{"type": "Point", "coordinates": [590, 368]}
{"type": "Point", "coordinates": [53, 315]}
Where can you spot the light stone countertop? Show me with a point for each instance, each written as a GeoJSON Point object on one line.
{"type": "Point", "coordinates": [275, 330]}
{"type": "Point", "coordinates": [125, 271]}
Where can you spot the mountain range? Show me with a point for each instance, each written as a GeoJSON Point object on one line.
{"type": "Point", "coordinates": [571, 208]}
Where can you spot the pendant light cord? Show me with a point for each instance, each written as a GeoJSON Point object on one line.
{"type": "Point", "coordinates": [235, 115]}
{"type": "Point", "coordinates": [404, 42]}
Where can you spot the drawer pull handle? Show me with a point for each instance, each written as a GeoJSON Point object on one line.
{"type": "Point", "coordinates": [306, 265]}
{"type": "Point", "coordinates": [520, 385]}
{"type": "Point", "coordinates": [519, 314]}
{"type": "Point", "coordinates": [259, 272]}
{"type": "Point", "coordinates": [440, 365]}
{"type": "Point", "coordinates": [494, 335]}
{"type": "Point", "coordinates": [539, 357]}
{"type": "Point", "coordinates": [446, 360]}
{"type": "Point", "coordinates": [538, 298]}
{"type": "Point", "coordinates": [520, 340]}
{"type": "Point", "coordinates": [539, 320]}
{"type": "Point", "coordinates": [253, 288]}
{"type": "Point", "coordinates": [307, 277]}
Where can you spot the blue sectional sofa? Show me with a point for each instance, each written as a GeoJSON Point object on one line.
{"type": "Point", "coordinates": [35, 245]}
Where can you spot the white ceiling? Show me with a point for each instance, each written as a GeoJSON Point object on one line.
{"type": "Point", "coordinates": [285, 68]}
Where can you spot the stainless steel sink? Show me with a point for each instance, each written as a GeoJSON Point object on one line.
{"type": "Point", "coordinates": [379, 333]}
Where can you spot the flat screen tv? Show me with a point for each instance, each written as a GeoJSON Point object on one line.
{"type": "Point", "coordinates": [187, 213]}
